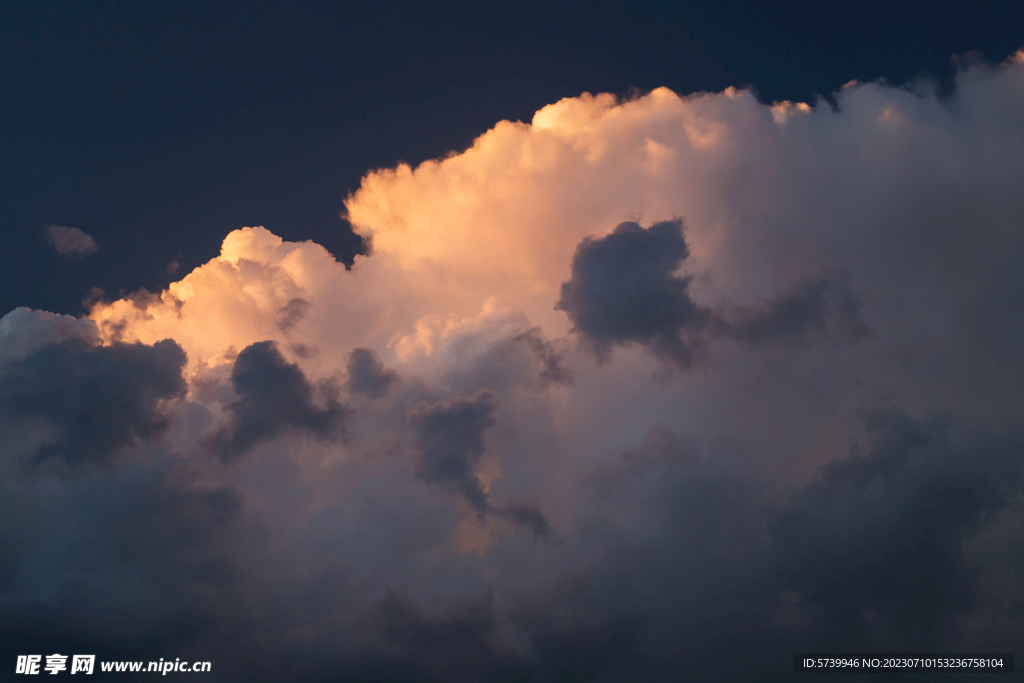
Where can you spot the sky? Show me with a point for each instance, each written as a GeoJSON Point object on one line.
{"type": "Point", "coordinates": [602, 342]}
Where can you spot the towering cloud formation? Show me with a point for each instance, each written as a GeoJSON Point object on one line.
{"type": "Point", "coordinates": [632, 389]}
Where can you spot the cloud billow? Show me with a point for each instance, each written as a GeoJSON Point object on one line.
{"type": "Point", "coordinates": [450, 440]}
{"type": "Point", "coordinates": [273, 396]}
{"type": "Point", "coordinates": [97, 399]}
{"type": "Point", "coordinates": [878, 540]}
{"type": "Point", "coordinates": [840, 470]}
{"type": "Point", "coordinates": [624, 288]}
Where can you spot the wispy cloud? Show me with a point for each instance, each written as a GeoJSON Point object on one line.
{"type": "Point", "coordinates": [70, 241]}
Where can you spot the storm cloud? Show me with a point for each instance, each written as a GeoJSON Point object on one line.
{"type": "Point", "coordinates": [825, 304]}
{"type": "Point", "coordinates": [273, 396]}
{"type": "Point", "coordinates": [367, 374]}
{"type": "Point", "coordinates": [450, 436]}
{"type": "Point", "coordinates": [414, 469]}
{"type": "Point", "coordinates": [624, 288]}
{"type": "Point", "coordinates": [93, 400]}
{"type": "Point", "coordinates": [878, 540]}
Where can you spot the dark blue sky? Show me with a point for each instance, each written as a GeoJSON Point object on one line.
{"type": "Point", "coordinates": [159, 127]}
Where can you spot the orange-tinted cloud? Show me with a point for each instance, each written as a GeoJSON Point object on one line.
{"type": "Point", "coordinates": [807, 322]}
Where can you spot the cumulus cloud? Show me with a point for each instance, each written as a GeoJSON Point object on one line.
{"type": "Point", "coordinates": [425, 473]}
{"type": "Point", "coordinates": [70, 241]}
{"type": "Point", "coordinates": [23, 331]}
{"type": "Point", "coordinates": [94, 400]}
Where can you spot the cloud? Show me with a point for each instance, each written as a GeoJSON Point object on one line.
{"type": "Point", "coordinates": [95, 400]}
{"type": "Point", "coordinates": [550, 360]}
{"type": "Point", "coordinates": [367, 374]}
{"type": "Point", "coordinates": [291, 313]}
{"type": "Point", "coordinates": [450, 436]}
{"type": "Point", "coordinates": [70, 241]}
{"type": "Point", "coordinates": [273, 396]}
{"type": "Point", "coordinates": [260, 288]}
{"type": "Point", "coordinates": [877, 540]}
{"type": "Point", "coordinates": [529, 516]}
{"type": "Point", "coordinates": [835, 464]}
{"type": "Point", "coordinates": [450, 440]}
{"type": "Point", "coordinates": [23, 331]}
{"type": "Point", "coordinates": [624, 289]}
{"type": "Point", "coordinates": [816, 305]}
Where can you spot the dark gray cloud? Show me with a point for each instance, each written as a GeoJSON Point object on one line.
{"type": "Point", "coordinates": [273, 396]}
{"type": "Point", "coordinates": [698, 558]}
{"type": "Point", "coordinates": [95, 400]}
{"type": "Point", "coordinates": [550, 367]}
{"type": "Point", "coordinates": [367, 374]}
{"type": "Point", "coordinates": [129, 565]}
{"type": "Point", "coordinates": [463, 642]}
{"type": "Point", "coordinates": [450, 438]}
{"type": "Point", "coordinates": [827, 303]}
{"type": "Point", "coordinates": [456, 644]}
{"type": "Point", "coordinates": [678, 558]}
{"type": "Point", "coordinates": [877, 540]}
{"type": "Point", "coordinates": [624, 288]}
{"type": "Point", "coordinates": [291, 313]}
{"type": "Point", "coordinates": [529, 516]}
{"type": "Point", "coordinates": [879, 551]}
